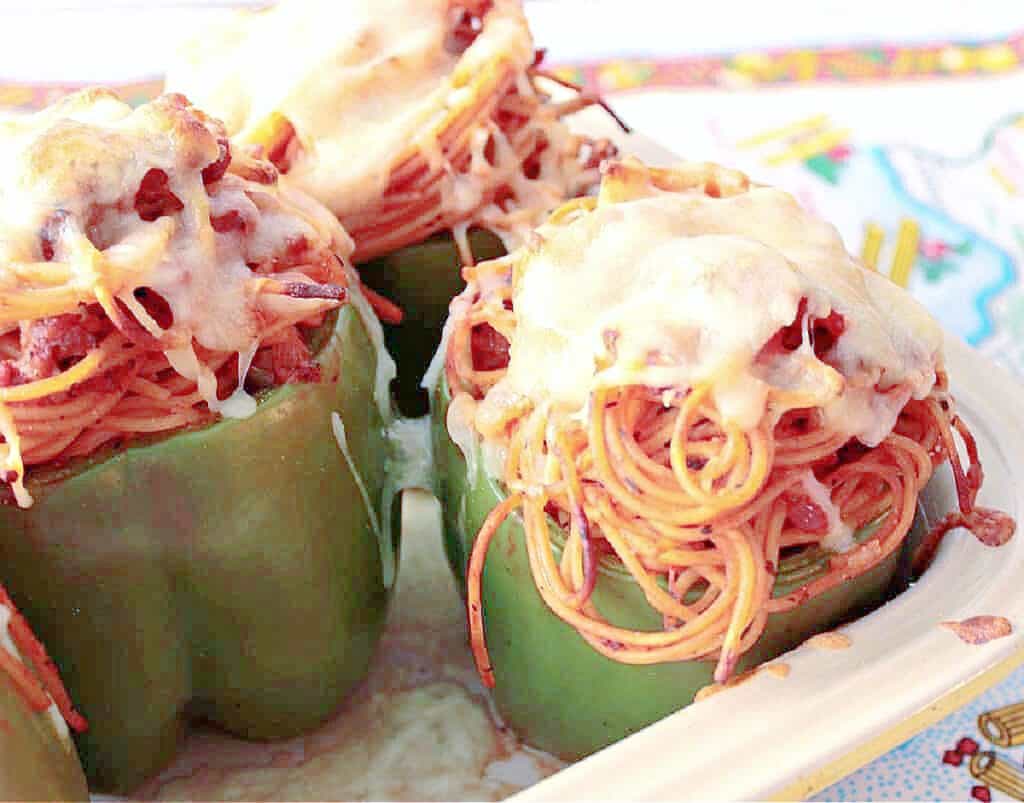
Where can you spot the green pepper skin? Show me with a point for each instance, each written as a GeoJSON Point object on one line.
{"type": "Point", "coordinates": [551, 687]}
{"type": "Point", "coordinates": [422, 279]}
{"type": "Point", "coordinates": [35, 763]}
{"type": "Point", "coordinates": [230, 574]}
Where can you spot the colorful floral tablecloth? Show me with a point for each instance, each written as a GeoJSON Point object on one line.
{"type": "Point", "coordinates": [915, 149]}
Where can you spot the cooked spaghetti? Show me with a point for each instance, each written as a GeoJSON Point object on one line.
{"type": "Point", "coordinates": [152, 279]}
{"type": "Point", "coordinates": [689, 375]}
{"type": "Point", "coordinates": [40, 687]}
{"type": "Point", "coordinates": [405, 117]}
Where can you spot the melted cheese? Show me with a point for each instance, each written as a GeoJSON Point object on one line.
{"type": "Point", "coordinates": [386, 368]}
{"type": "Point", "coordinates": [360, 80]}
{"type": "Point", "coordinates": [839, 537]}
{"type": "Point", "coordinates": [338, 428]}
{"type": "Point", "coordinates": [678, 289]}
{"type": "Point", "coordinates": [458, 422]}
{"type": "Point", "coordinates": [72, 172]}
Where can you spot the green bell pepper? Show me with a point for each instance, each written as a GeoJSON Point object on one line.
{"type": "Point", "coordinates": [551, 687]}
{"type": "Point", "coordinates": [422, 279]}
{"type": "Point", "coordinates": [238, 573]}
{"type": "Point", "coordinates": [37, 764]}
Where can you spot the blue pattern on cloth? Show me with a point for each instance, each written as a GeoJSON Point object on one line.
{"type": "Point", "coordinates": [916, 771]}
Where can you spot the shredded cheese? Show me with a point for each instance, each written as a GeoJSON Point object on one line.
{"type": "Point", "coordinates": [362, 79]}
{"type": "Point", "coordinates": [71, 174]}
{"type": "Point", "coordinates": [674, 288]}
{"type": "Point", "coordinates": [377, 94]}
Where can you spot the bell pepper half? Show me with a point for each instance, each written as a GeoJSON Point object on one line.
{"type": "Point", "coordinates": [551, 687]}
{"type": "Point", "coordinates": [238, 573]}
{"type": "Point", "coordinates": [422, 279]}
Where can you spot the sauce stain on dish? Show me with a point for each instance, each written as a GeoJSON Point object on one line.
{"type": "Point", "coordinates": [778, 670]}
{"type": "Point", "coordinates": [420, 727]}
{"type": "Point", "coordinates": [980, 629]}
{"type": "Point", "coordinates": [830, 641]}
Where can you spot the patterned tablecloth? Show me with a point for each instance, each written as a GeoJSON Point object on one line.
{"type": "Point", "coordinates": [915, 149]}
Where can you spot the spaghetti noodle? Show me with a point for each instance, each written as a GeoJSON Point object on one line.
{"type": "Point", "coordinates": [152, 278]}
{"type": "Point", "coordinates": [42, 689]}
{"type": "Point", "coordinates": [404, 117]}
{"type": "Point", "coordinates": [690, 376]}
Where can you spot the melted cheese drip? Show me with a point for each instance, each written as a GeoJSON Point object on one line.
{"type": "Point", "coordinates": [458, 422]}
{"type": "Point", "coordinates": [675, 290]}
{"type": "Point", "coordinates": [386, 367]}
{"type": "Point", "coordinates": [83, 160]}
{"type": "Point", "coordinates": [338, 428]}
{"type": "Point", "coordinates": [840, 534]}
{"type": "Point", "coordinates": [362, 81]}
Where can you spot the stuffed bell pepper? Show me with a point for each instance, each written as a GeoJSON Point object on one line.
{"type": "Point", "coordinates": [677, 434]}
{"type": "Point", "coordinates": [38, 760]}
{"type": "Point", "coordinates": [193, 410]}
{"type": "Point", "coordinates": [416, 122]}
